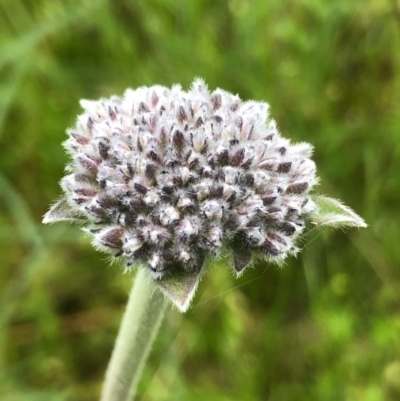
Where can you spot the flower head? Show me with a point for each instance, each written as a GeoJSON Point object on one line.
{"type": "Point", "coordinates": [166, 178]}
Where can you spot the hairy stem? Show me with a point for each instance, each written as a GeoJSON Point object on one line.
{"type": "Point", "coordinates": [141, 321]}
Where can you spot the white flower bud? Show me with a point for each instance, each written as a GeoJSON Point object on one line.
{"type": "Point", "coordinates": [132, 244]}
{"type": "Point", "coordinates": [168, 216]}
{"type": "Point", "coordinates": [212, 210]}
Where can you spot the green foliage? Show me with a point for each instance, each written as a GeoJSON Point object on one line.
{"type": "Point", "coordinates": [327, 325]}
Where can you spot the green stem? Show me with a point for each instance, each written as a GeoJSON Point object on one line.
{"type": "Point", "coordinates": [140, 324]}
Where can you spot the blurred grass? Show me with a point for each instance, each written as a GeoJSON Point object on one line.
{"type": "Point", "coordinates": [327, 326]}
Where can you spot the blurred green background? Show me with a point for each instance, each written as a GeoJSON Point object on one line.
{"type": "Point", "coordinates": [327, 325]}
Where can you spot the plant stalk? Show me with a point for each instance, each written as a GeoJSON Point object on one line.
{"type": "Point", "coordinates": [140, 323]}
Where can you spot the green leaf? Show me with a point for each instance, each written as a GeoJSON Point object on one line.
{"type": "Point", "coordinates": [180, 287]}
{"type": "Point", "coordinates": [331, 212]}
{"type": "Point", "coordinates": [61, 211]}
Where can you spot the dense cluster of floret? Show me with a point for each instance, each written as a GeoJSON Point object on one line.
{"type": "Point", "coordinates": [167, 177]}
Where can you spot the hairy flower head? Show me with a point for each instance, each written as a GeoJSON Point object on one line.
{"type": "Point", "coordinates": [167, 178]}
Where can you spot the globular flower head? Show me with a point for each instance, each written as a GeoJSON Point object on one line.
{"type": "Point", "coordinates": [167, 178]}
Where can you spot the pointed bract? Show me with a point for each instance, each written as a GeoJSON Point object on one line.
{"type": "Point", "coordinates": [180, 287]}
{"type": "Point", "coordinates": [241, 261]}
{"type": "Point", "coordinates": [331, 212]}
{"type": "Point", "coordinates": [61, 211]}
